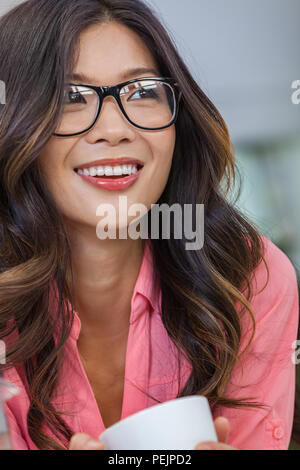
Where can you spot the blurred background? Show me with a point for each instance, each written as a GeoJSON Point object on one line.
{"type": "Point", "coordinates": [245, 55]}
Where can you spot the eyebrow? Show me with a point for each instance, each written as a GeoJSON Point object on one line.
{"type": "Point", "coordinates": [81, 77]}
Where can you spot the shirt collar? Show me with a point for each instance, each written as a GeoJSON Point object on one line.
{"type": "Point", "coordinates": [146, 290]}
{"type": "Point", "coordinates": [147, 283]}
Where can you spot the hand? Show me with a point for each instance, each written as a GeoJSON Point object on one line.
{"type": "Point", "coordinates": [82, 441]}
{"type": "Point", "coordinates": [222, 430]}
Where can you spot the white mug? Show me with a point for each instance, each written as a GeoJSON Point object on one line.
{"type": "Point", "coordinates": [178, 424]}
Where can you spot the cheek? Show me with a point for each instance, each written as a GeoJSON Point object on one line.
{"type": "Point", "coordinates": [162, 154]}
{"type": "Point", "coordinates": [56, 176]}
{"type": "Point", "coordinates": [51, 160]}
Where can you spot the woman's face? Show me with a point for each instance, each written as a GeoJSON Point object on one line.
{"type": "Point", "coordinates": [106, 52]}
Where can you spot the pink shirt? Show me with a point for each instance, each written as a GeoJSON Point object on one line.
{"type": "Point", "coordinates": [266, 372]}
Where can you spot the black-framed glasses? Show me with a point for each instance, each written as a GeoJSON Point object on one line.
{"type": "Point", "coordinates": [149, 103]}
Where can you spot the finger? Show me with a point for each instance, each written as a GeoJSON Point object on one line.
{"type": "Point", "coordinates": [222, 426]}
{"type": "Point", "coordinates": [82, 441]}
{"type": "Point", "coordinates": [213, 446]}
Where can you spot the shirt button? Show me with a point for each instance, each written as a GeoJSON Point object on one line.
{"type": "Point", "coordinates": [278, 432]}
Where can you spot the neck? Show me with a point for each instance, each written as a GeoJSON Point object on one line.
{"type": "Point", "coordinates": [104, 276]}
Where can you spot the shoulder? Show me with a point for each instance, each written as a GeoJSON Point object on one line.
{"type": "Point", "coordinates": [275, 277]}
{"type": "Point", "coordinates": [275, 299]}
{"type": "Point", "coordinates": [277, 260]}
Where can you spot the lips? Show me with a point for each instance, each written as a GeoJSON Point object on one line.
{"type": "Point", "coordinates": [112, 183]}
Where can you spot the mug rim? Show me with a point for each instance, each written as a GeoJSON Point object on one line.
{"type": "Point", "coordinates": [168, 403]}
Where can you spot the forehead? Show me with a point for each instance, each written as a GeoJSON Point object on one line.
{"type": "Point", "coordinates": [107, 51]}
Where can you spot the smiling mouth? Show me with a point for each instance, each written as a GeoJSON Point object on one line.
{"type": "Point", "coordinates": [110, 171]}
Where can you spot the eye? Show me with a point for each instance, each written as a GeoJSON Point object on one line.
{"type": "Point", "coordinates": [73, 96]}
{"type": "Point", "coordinates": [144, 93]}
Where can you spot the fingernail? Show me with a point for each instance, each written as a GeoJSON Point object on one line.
{"type": "Point", "coordinates": [204, 447]}
{"type": "Point", "coordinates": [94, 445]}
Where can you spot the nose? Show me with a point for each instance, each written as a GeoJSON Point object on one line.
{"type": "Point", "coordinates": [111, 124]}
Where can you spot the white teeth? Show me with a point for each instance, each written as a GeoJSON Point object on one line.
{"type": "Point", "coordinates": [100, 171]}
{"type": "Point", "coordinates": [109, 170]}
{"type": "Point", "coordinates": [117, 170]}
{"type": "Point", "coordinates": [93, 171]}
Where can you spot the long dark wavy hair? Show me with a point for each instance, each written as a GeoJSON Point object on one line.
{"type": "Point", "coordinates": [200, 288]}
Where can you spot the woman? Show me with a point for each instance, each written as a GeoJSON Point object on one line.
{"type": "Point", "coordinates": [99, 328]}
